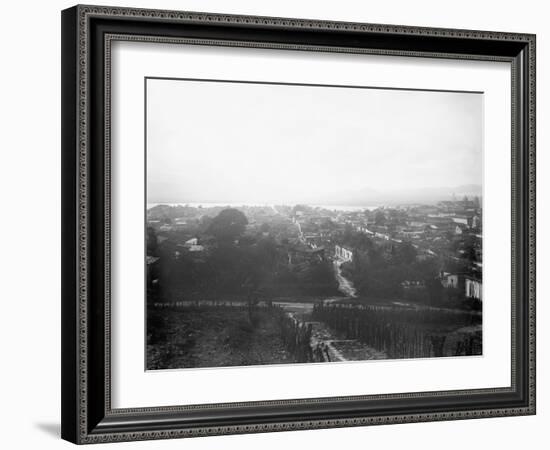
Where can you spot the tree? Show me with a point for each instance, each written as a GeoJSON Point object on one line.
{"type": "Point", "coordinates": [328, 224]}
{"type": "Point", "coordinates": [204, 223]}
{"type": "Point", "coordinates": [152, 242]}
{"type": "Point", "coordinates": [348, 234]}
{"type": "Point", "coordinates": [435, 290]}
{"type": "Point", "coordinates": [228, 225]}
{"type": "Point", "coordinates": [395, 215]}
{"type": "Point", "coordinates": [406, 253]}
{"type": "Point", "coordinates": [380, 218]}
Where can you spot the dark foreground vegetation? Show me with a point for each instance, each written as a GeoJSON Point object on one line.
{"type": "Point", "coordinates": [223, 335]}
{"type": "Point", "coordinates": [380, 271]}
{"type": "Point", "coordinates": [215, 276]}
{"type": "Point", "coordinates": [234, 263]}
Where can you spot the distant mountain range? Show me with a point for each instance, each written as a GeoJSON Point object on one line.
{"type": "Point", "coordinates": [365, 197]}
{"type": "Point", "coordinates": [373, 197]}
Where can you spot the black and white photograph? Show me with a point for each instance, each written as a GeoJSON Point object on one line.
{"type": "Point", "coordinates": [280, 219]}
{"type": "Point", "coordinates": [295, 223]}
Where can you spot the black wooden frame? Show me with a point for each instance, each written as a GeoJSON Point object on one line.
{"type": "Point", "coordinates": [87, 415]}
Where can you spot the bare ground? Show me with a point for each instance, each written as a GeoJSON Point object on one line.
{"type": "Point", "coordinates": [213, 337]}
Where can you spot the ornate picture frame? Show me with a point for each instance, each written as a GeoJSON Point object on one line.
{"type": "Point", "coordinates": [88, 415]}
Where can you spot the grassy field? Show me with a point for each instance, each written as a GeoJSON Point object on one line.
{"type": "Point", "coordinates": [213, 336]}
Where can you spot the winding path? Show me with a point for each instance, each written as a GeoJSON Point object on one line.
{"type": "Point", "coordinates": [344, 285]}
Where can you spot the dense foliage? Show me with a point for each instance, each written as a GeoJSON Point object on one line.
{"type": "Point", "coordinates": [236, 265]}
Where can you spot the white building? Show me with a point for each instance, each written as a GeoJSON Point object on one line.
{"type": "Point", "coordinates": [473, 288]}
{"type": "Point", "coordinates": [343, 253]}
{"type": "Point", "coordinates": [449, 280]}
{"type": "Point", "coordinates": [461, 219]}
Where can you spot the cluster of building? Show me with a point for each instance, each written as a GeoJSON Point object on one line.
{"type": "Point", "coordinates": [449, 232]}
{"type": "Point", "coordinates": [470, 284]}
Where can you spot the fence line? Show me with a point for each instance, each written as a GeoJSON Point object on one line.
{"type": "Point", "coordinates": [402, 333]}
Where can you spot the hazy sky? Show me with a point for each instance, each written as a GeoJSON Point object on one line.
{"type": "Point", "coordinates": [258, 143]}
